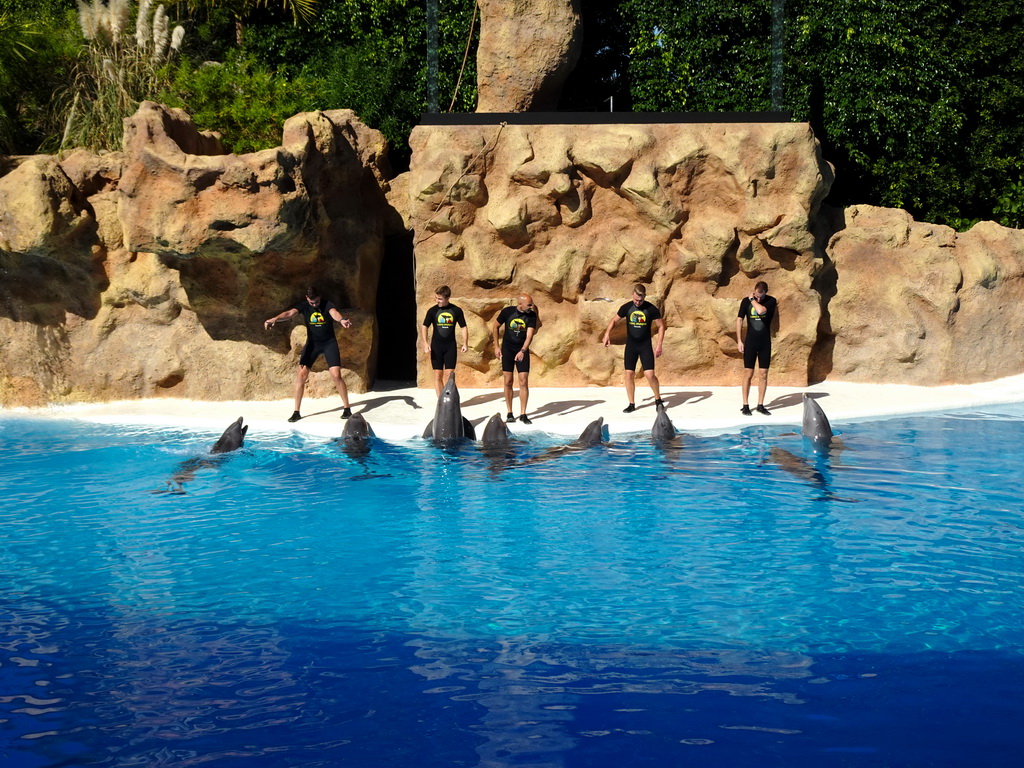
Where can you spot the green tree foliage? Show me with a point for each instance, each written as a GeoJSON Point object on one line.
{"type": "Point", "coordinates": [916, 103]}
{"type": "Point", "coordinates": [245, 101]}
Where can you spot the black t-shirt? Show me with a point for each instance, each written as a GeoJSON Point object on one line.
{"type": "Point", "coordinates": [639, 320]}
{"type": "Point", "coordinates": [444, 320]}
{"type": "Point", "coordinates": [516, 324]}
{"type": "Point", "coordinates": [758, 324]}
{"type": "Point", "coordinates": [319, 323]}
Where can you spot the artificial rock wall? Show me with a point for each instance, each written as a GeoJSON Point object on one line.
{"type": "Point", "coordinates": [150, 271]}
{"type": "Point", "coordinates": [698, 212]}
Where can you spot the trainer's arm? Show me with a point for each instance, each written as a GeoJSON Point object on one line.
{"type": "Point", "coordinates": [423, 339]}
{"type": "Point", "coordinates": [525, 351]}
{"type": "Point", "coordinates": [739, 333]}
{"type": "Point", "coordinates": [465, 337]}
{"type": "Point", "coordinates": [660, 325]}
{"type": "Point", "coordinates": [608, 331]}
{"type": "Point", "coordinates": [288, 314]}
{"type": "Point", "coordinates": [345, 323]}
{"type": "Point", "coordinates": [494, 333]}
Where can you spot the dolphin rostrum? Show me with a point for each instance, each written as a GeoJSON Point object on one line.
{"type": "Point", "coordinates": [232, 438]}
{"type": "Point", "coordinates": [448, 424]}
{"type": "Point", "coordinates": [815, 425]}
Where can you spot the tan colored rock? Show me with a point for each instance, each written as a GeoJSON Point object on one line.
{"type": "Point", "coordinates": [577, 214]}
{"type": "Point", "coordinates": [150, 271]}
{"type": "Point", "coordinates": [917, 303]}
{"type": "Point", "coordinates": [527, 49]}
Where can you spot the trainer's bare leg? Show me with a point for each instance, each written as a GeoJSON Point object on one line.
{"type": "Point", "coordinates": [339, 384]}
{"type": "Point", "coordinates": [300, 385]}
{"type": "Point", "coordinates": [631, 385]}
{"type": "Point", "coordinates": [524, 390]}
{"type": "Point", "coordinates": [653, 381]}
{"type": "Point", "coordinates": [507, 382]}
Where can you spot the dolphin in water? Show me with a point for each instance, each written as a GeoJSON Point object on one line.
{"type": "Point", "coordinates": [448, 424]}
{"type": "Point", "coordinates": [355, 437]}
{"type": "Point", "coordinates": [232, 439]}
{"type": "Point", "coordinates": [593, 434]}
{"type": "Point", "coordinates": [815, 424]}
{"type": "Point", "coordinates": [496, 434]}
{"type": "Point", "coordinates": [663, 430]}
{"type": "Point", "coordinates": [496, 444]}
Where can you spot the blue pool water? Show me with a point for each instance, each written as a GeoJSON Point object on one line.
{"type": "Point", "coordinates": [738, 601]}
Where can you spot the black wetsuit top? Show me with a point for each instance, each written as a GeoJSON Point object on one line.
{"type": "Point", "coordinates": [758, 326]}
{"type": "Point", "coordinates": [319, 323]}
{"type": "Point", "coordinates": [444, 320]}
{"type": "Point", "coordinates": [639, 321]}
{"type": "Point", "coordinates": [516, 324]}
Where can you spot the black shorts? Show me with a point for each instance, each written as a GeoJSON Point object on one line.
{"type": "Point", "coordinates": [508, 361]}
{"type": "Point", "coordinates": [313, 349]}
{"type": "Point", "coordinates": [443, 358]}
{"type": "Point", "coordinates": [759, 349]}
{"type": "Point", "coordinates": [644, 352]}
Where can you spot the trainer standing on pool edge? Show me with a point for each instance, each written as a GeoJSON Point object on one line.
{"type": "Point", "coordinates": [520, 323]}
{"type": "Point", "coordinates": [442, 348]}
{"type": "Point", "coordinates": [759, 310]}
{"type": "Point", "coordinates": [320, 340]}
{"type": "Point", "coordinates": [640, 316]}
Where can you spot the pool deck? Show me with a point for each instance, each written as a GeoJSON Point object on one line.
{"type": "Point", "coordinates": [400, 411]}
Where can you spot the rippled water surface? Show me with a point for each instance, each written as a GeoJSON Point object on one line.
{"type": "Point", "coordinates": [733, 600]}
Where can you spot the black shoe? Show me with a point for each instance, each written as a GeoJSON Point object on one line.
{"type": "Point", "coordinates": [745, 410]}
{"type": "Point", "coordinates": [295, 416]}
{"type": "Point", "coordinates": [510, 418]}
{"type": "Point", "coordinates": [629, 408]}
{"type": "Point", "coordinates": [347, 413]}
{"type": "Point", "coordinates": [763, 411]}
{"type": "Point", "coordinates": [525, 419]}
{"type": "Point", "coordinates": [658, 402]}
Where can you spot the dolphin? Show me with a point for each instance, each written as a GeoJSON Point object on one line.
{"type": "Point", "coordinates": [232, 438]}
{"type": "Point", "coordinates": [448, 424]}
{"type": "Point", "coordinates": [663, 430]}
{"type": "Point", "coordinates": [593, 434]}
{"type": "Point", "coordinates": [355, 437]}
{"type": "Point", "coordinates": [496, 434]}
{"type": "Point", "coordinates": [815, 424]}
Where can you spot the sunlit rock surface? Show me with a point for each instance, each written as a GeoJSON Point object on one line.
{"type": "Point", "coordinates": [527, 49]}
{"type": "Point", "coordinates": [576, 214]}
{"type": "Point", "coordinates": [149, 271]}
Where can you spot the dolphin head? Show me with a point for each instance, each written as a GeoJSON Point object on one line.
{"type": "Point", "coordinates": [232, 438]}
{"type": "Point", "coordinates": [663, 428]}
{"type": "Point", "coordinates": [815, 424]}
{"type": "Point", "coordinates": [356, 428]}
{"type": "Point", "coordinates": [495, 432]}
{"type": "Point", "coordinates": [593, 434]}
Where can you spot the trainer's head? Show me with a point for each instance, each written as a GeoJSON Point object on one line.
{"type": "Point", "coordinates": [313, 295]}
{"type": "Point", "coordinates": [524, 302]}
{"type": "Point", "coordinates": [639, 294]}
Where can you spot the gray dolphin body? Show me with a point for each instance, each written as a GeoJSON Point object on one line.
{"type": "Point", "coordinates": [663, 429]}
{"type": "Point", "coordinates": [232, 439]}
{"type": "Point", "coordinates": [448, 424]}
{"type": "Point", "coordinates": [496, 434]}
{"type": "Point", "coordinates": [355, 437]}
{"type": "Point", "coordinates": [592, 435]}
{"type": "Point", "coordinates": [815, 424]}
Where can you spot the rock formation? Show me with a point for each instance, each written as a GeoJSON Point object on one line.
{"type": "Point", "coordinates": [527, 50]}
{"type": "Point", "coordinates": [918, 303]}
{"type": "Point", "coordinates": [576, 214]}
{"type": "Point", "coordinates": [149, 271]}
